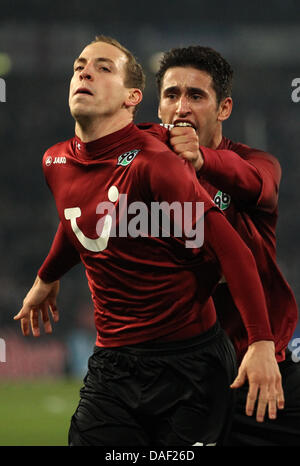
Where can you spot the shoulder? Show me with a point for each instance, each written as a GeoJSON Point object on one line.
{"type": "Point", "coordinates": [157, 163]}
{"type": "Point", "coordinates": [58, 148]}
{"type": "Point", "coordinates": [154, 134]}
{"type": "Point", "coordinates": [150, 139]}
{"type": "Point", "coordinates": [155, 129]}
{"type": "Point", "coordinates": [263, 161]}
{"type": "Point", "coordinates": [247, 152]}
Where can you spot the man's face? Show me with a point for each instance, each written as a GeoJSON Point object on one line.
{"type": "Point", "coordinates": [187, 95]}
{"type": "Point", "coordinates": [97, 85]}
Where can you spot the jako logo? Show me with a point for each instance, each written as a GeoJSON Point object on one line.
{"type": "Point", "coordinates": [56, 160]}
{"type": "Point", "coordinates": [60, 160]}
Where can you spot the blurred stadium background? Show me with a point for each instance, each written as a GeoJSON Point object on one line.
{"type": "Point", "coordinates": [40, 380]}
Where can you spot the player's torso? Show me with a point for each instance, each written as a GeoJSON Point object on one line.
{"type": "Point", "coordinates": [142, 281]}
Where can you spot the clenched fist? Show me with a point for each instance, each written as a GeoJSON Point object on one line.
{"type": "Point", "coordinates": [184, 141]}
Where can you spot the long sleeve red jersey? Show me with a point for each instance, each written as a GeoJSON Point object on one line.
{"type": "Point", "coordinates": [244, 183]}
{"type": "Point", "coordinates": [145, 287]}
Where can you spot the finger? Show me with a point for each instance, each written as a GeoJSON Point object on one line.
{"type": "Point", "coordinates": [239, 380]}
{"type": "Point", "coordinates": [251, 398]}
{"type": "Point", "coordinates": [184, 140]}
{"type": "Point", "coordinates": [24, 312]}
{"type": "Point", "coordinates": [25, 327]}
{"type": "Point", "coordinates": [181, 146]}
{"type": "Point", "coordinates": [176, 147]}
{"type": "Point", "coordinates": [46, 319]}
{"type": "Point", "coordinates": [272, 404]}
{"type": "Point", "coordinates": [189, 156]}
{"type": "Point", "coordinates": [54, 311]}
{"type": "Point", "coordinates": [34, 320]}
{"type": "Point", "coordinates": [263, 401]}
{"type": "Point", "coordinates": [182, 130]}
{"type": "Point", "coordinates": [23, 315]}
{"type": "Point", "coordinates": [280, 394]}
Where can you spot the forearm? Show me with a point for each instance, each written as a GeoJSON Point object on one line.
{"type": "Point", "coordinates": [61, 258]}
{"type": "Point", "coordinates": [253, 180]}
{"type": "Point", "coordinates": [240, 271]}
{"type": "Point", "coordinates": [231, 174]}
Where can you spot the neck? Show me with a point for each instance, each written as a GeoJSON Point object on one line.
{"type": "Point", "coordinates": [90, 129]}
{"type": "Point", "coordinates": [216, 139]}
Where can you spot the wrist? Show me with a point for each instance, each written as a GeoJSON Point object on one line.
{"type": "Point", "coordinates": [199, 162]}
{"type": "Point", "coordinates": [262, 345]}
{"type": "Point", "coordinates": [44, 282]}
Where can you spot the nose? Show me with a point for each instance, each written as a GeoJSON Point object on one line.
{"type": "Point", "coordinates": [86, 72]}
{"type": "Point", "coordinates": [183, 107]}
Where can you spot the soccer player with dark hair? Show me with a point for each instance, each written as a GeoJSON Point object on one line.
{"type": "Point", "coordinates": [162, 366]}
{"type": "Point", "coordinates": [194, 85]}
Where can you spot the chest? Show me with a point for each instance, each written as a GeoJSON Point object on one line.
{"type": "Point", "coordinates": [91, 200]}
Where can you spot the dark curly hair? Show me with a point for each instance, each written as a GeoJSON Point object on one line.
{"type": "Point", "coordinates": [201, 58]}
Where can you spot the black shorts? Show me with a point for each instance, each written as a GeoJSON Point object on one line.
{"type": "Point", "coordinates": [174, 393]}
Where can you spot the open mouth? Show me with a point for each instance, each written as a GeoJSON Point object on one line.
{"type": "Point", "coordinates": [184, 124]}
{"type": "Point", "coordinates": [83, 90]}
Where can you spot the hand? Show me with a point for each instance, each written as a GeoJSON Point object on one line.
{"type": "Point", "coordinates": [184, 141]}
{"type": "Point", "coordinates": [260, 367]}
{"type": "Point", "coordinates": [39, 300]}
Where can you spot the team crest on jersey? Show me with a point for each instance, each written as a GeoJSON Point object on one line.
{"type": "Point", "coordinates": [127, 158]}
{"type": "Point", "coordinates": [222, 200]}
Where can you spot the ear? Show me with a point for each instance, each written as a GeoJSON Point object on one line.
{"type": "Point", "coordinates": [159, 112]}
{"type": "Point", "coordinates": [225, 109]}
{"type": "Point", "coordinates": [134, 97]}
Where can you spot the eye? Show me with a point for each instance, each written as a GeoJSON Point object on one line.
{"type": "Point", "coordinates": [78, 68]}
{"type": "Point", "coordinates": [104, 68]}
{"type": "Point", "coordinates": [171, 96]}
{"type": "Point", "coordinates": [196, 97]}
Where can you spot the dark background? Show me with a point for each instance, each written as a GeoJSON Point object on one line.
{"type": "Point", "coordinates": [38, 43]}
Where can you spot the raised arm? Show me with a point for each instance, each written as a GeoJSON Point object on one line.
{"type": "Point", "coordinates": [252, 179]}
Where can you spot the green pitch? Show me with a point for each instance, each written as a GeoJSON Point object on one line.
{"type": "Point", "coordinates": [37, 413]}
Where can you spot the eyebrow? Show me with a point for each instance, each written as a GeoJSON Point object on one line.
{"type": "Point", "coordinates": [190, 90]}
{"type": "Point", "coordinates": [98, 60]}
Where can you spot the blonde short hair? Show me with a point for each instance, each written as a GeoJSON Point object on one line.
{"type": "Point", "coordinates": [134, 75]}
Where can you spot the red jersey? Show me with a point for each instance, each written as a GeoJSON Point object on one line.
{"type": "Point", "coordinates": [248, 181]}
{"type": "Point", "coordinates": [244, 184]}
{"type": "Point", "coordinates": [144, 287]}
